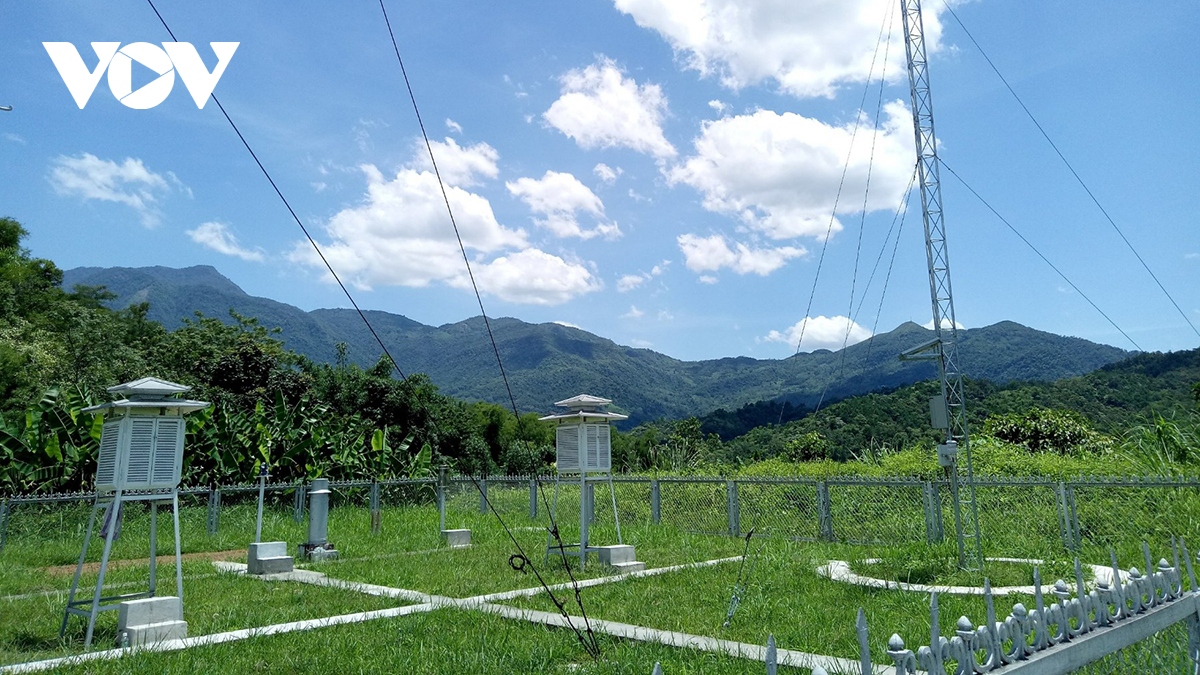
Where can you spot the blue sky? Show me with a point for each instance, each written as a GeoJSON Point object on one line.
{"type": "Point", "coordinates": [659, 173]}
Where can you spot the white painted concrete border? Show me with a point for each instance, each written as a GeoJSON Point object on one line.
{"type": "Point", "coordinates": [599, 581]}
{"type": "Point", "coordinates": [320, 579]}
{"type": "Point", "coordinates": [839, 570]}
{"type": "Point", "coordinates": [787, 657]}
{"type": "Point", "coordinates": [216, 638]}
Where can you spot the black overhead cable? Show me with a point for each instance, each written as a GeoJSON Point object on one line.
{"type": "Point", "coordinates": [862, 221]}
{"type": "Point", "coordinates": [522, 561]}
{"type": "Point", "coordinates": [898, 216]}
{"type": "Point", "coordinates": [901, 214]}
{"type": "Point", "coordinates": [1039, 253]}
{"type": "Point", "coordinates": [838, 197]}
{"type": "Point", "coordinates": [836, 200]}
{"type": "Point", "coordinates": [590, 644]}
{"type": "Point", "coordinates": [1074, 173]}
{"type": "Point", "coordinates": [446, 198]}
{"type": "Point", "coordinates": [303, 229]}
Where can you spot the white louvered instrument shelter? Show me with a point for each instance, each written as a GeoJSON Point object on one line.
{"type": "Point", "coordinates": [583, 439]}
{"type": "Point", "coordinates": [141, 443]}
{"type": "Point", "coordinates": [140, 452]}
{"type": "Point", "coordinates": [583, 445]}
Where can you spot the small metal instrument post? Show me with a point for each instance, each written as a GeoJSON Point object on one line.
{"type": "Point", "coordinates": [262, 486]}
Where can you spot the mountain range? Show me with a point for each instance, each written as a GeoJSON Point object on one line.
{"type": "Point", "coordinates": [547, 362]}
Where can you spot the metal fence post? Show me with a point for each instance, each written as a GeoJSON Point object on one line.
{"type": "Point", "coordinates": [1076, 535]}
{"type": "Point", "coordinates": [376, 515]}
{"type": "Point", "coordinates": [441, 497]}
{"type": "Point", "coordinates": [733, 509]}
{"type": "Point", "coordinates": [533, 498]}
{"type": "Point", "coordinates": [298, 503]}
{"type": "Point", "coordinates": [933, 513]}
{"type": "Point", "coordinates": [483, 496]}
{"type": "Point", "coordinates": [655, 502]}
{"type": "Point", "coordinates": [214, 510]}
{"type": "Point", "coordinates": [1064, 516]}
{"type": "Point", "coordinates": [824, 511]}
{"type": "Point", "coordinates": [4, 507]}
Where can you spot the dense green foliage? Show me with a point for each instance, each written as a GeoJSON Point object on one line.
{"type": "Point", "coordinates": [1145, 405]}
{"type": "Point", "coordinates": [271, 405]}
{"type": "Point", "coordinates": [59, 350]}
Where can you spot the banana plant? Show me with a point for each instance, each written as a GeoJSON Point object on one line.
{"type": "Point", "coordinates": [51, 445]}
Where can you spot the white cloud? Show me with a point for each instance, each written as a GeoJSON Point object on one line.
{"type": "Point", "coordinates": [821, 332]}
{"type": "Point", "coordinates": [129, 183]}
{"type": "Point", "coordinates": [707, 279]}
{"type": "Point", "coordinates": [217, 237]}
{"type": "Point", "coordinates": [807, 48]}
{"type": "Point", "coordinates": [641, 344]}
{"type": "Point", "coordinates": [567, 324]}
{"type": "Point", "coordinates": [606, 173]}
{"type": "Point", "coordinates": [628, 282]}
{"type": "Point", "coordinates": [664, 315]}
{"type": "Point", "coordinates": [400, 235]}
{"type": "Point", "coordinates": [601, 108]}
{"type": "Point", "coordinates": [709, 254]}
{"type": "Point", "coordinates": [928, 325]}
{"type": "Point", "coordinates": [453, 126]}
{"type": "Point", "coordinates": [558, 198]}
{"type": "Point", "coordinates": [459, 166]}
{"type": "Point", "coordinates": [633, 313]}
{"type": "Point", "coordinates": [719, 106]}
{"type": "Point", "coordinates": [533, 277]}
{"type": "Point", "coordinates": [1191, 256]}
{"type": "Point", "coordinates": [15, 138]}
{"type": "Point", "coordinates": [779, 173]}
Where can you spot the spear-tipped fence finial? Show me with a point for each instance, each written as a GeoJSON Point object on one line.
{"type": "Point", "coordinates": [772, 657]}
{"type": "Point", "coordinates": [864, 649]}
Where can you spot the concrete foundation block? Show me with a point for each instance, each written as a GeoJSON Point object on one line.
{"type": "Point", "coordinates": [146, 611]}
{"type": "Point", "coordinates": [268, 557]}
{"type": "Point", "coordinates": [614, 555]}
{"type": "Point", "coordinates": [632, 566]}
{"type": "Point", "coordinates": [457, 538]}
{"type": "Point", "coordinates": [150, 620]}
{"type": "Point", "coordinates": [137, 636]}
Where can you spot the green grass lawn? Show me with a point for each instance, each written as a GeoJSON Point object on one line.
{"type": "Point", "coordinates": [443, 641]}
{"type": "Point", "coordinates": [213, 602]}
{"type": "Point", "coordinates": [784, 596]}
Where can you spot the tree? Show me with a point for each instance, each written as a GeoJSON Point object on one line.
{"type": "Point", "coordinates": [1042, 430]}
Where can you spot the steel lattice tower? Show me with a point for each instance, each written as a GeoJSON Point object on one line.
{"type": "Point", "coordinates": [944, 347]}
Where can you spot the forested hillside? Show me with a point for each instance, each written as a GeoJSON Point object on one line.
{"type": "Point", "coordinates": [549, 362]}
{"type": "Point", "coordinates": [59, 350]}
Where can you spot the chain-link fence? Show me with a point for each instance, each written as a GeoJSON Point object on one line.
{"type": "Point", "coordinates": [1017, 516]}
